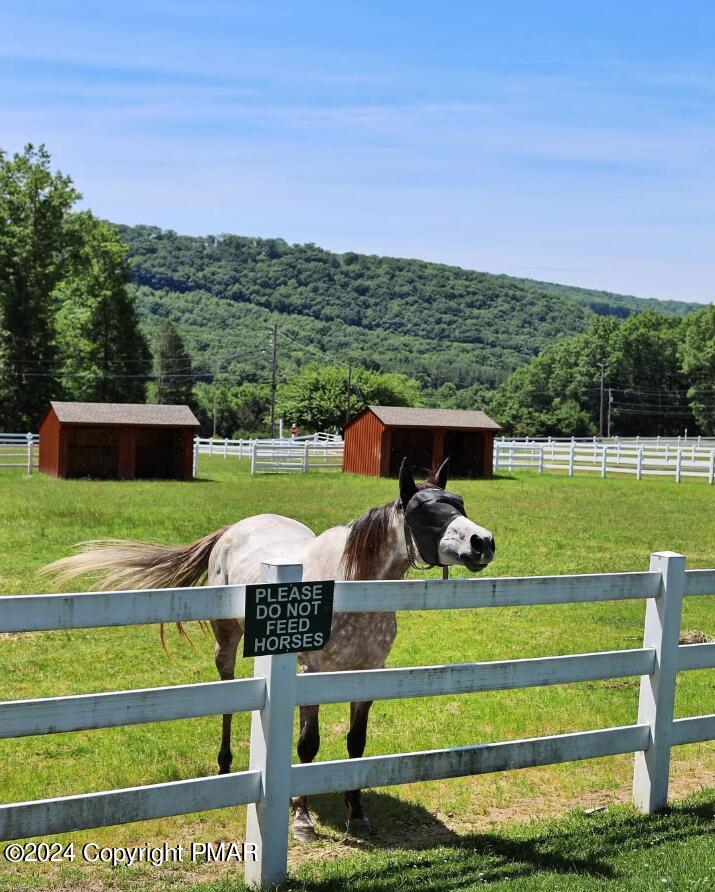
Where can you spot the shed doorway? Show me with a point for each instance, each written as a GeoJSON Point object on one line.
{"type": "Point", "coordinates": [465, 450]}
{"type": "Point", "coordinates": [92, 452]}
{"type": "Point", "coordinates": [416, 445]}
{"type": "Point", "coordinates": [159, 454]}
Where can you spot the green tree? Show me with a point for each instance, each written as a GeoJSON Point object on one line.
{"type": "Point", "coordinates": [102, 354]}
{"type": "Point", "coordinates": [241, 411]}
{"type": "Point", "coordinates": [316, 397]}
{"type": "Point", "coordinates": [647, 363]}
{"type": "Point", "coordinates": [172, 366]}
{"type": "Point", "coordinates": [34, 204]}
{"type": "Point", "coordinates": [558, 392]}
{"type": "Point", "coordinates": [649, 384]}
{"type": "Point", "coordinates": [697, 356]}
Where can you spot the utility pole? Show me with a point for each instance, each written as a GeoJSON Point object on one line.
{"type": "Point", "coordinates": [350, 387]}
{"type": "Point", "coordinates": [610, 400]}
{"type": "Point", "coordinates": [218, 368]}
{"type": "Point", "coordinates": [274, 371]}
{"type": "Point", "coordinates": [603, 366]}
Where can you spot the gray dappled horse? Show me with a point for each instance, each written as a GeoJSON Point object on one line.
{"type": "Point", "coordinates": [425, 521]}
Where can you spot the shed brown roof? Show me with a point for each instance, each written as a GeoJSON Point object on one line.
{"type": "Point", "coordinates": [138, 414]}
{"type": "Point", "coordinates": [406, 416]}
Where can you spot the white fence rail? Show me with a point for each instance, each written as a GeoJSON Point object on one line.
{"type": "Point", "coordinates": [640, 459]}
{"type": "Point", "coordinates": [19, 451]}
{"type": "Point", "coordinates": [319, 451]}
{"type": "Point", "coordinates": [275, 690]}
{"type": "Point", "coordinates": [269, 458]}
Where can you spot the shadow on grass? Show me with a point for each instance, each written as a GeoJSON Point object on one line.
{"type": "Point", "coordinates": [579, 847]}
{"type": "Point", "coordinates": [396, 824]}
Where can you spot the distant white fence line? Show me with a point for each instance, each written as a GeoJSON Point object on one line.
{"type": "Point", "coordinates": [19, 451]}
{"type": "Point", "coordinates": [318, 451]}
{"type": "Point", "coordinates": [674, 457]}
{"type": "Point", "coordinates": [276, 689]}
{"type": "Point", "coordinates": [640, 457]}
{"type": "Point", "coordinates": [679, 440]}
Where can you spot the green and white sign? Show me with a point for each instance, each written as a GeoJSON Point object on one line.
{"type": "Point", "coordinates": [287, 617]}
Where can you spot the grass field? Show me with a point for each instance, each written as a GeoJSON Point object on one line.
{"type": "Point", "coordinates": [543, 524]}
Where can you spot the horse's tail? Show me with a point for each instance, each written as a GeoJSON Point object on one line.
{"type": "Point", "coordinates": [130, 564]}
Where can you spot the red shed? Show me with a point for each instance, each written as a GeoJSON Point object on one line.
{"type": "Point", "coordinates": [379, 437]}
{"type": "Point", "coordinates": [117, 440]}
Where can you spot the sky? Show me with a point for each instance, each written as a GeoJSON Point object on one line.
{"type": "Point", "coordinates": [570, 142]}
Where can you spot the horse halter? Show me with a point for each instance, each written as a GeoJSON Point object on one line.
{"type": "Point", "coordinates": [427, 515]}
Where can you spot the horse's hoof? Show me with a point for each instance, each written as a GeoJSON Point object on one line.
{"type": "Point", "coordinates": [359, 827]}
{"type": "Point", "coordinates": [304, 833]}
{"type": "Point", "coordinates": [303, 829]}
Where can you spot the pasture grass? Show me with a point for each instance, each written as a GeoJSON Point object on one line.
{"type": "Point", "coordinates": [542, 524]}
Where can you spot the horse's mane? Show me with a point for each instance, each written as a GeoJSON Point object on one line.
{"type": "Point", "coordinates": [367, 536]}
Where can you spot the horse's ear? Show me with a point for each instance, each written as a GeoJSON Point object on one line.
{"type": "Point", "coordinates": [408, 487]}
{"type": "Point", "coordinates": [440, 478]}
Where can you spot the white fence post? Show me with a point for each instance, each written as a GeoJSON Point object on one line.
{"type": "Point", "coordinates": [195, 468]}
{"type": "Point", "coordinates": [678, 463]}
{"type": "Point", "coordinates": [30, 441]}
{"type": "Point", "coordinates": [604, 460]}
{"type": "Point", "coordinates": [225, 447]}
{"type": "Point", "coordinates": [253, 457]}
{"type": "Point", "coordinates": [639, 465]}
{"type": "Point", "coordinates": [572, 450]}
{"type": "Point", "coordinates": [711, 469]}
{"type": "Point", "coordinates": [541, 458]}
{"type": "Point", "coordinates": [657, 692]}
{"type": "Point", "coordinates": [272, 753]}
{"type": "Point", "coordinates": [305, 457]}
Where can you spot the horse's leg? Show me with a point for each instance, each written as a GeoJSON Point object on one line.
{"type": "Point", "coordinates": [356, 819]}
{"type": "Point", "coordinates": [228, 634]}
{"type": "Point", "coordinates": [308, 745]}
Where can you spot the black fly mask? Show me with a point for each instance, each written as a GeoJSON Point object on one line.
{"type": "Point", "coordinates": [428, 513]}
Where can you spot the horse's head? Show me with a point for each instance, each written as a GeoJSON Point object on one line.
{"type": "Point", "coordinates": [439, 526]}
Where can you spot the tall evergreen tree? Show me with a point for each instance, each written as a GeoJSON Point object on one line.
{"type": "Point", "coordinates": [34, 203]}
{"type": "Point", "coordinates": [172, 366]}
{"type": "Point", "coordinates": [103, 355]}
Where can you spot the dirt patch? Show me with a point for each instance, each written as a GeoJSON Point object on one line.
{"type": "Point", "coordinates": [446, 828]}
{"type": "Point", "coordinates": [693, 636]}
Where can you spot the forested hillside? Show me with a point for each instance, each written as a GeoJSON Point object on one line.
{"type": "Point", "coordinates": [438, 324]}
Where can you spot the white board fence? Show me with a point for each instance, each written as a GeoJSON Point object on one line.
{"type": "Point", "coordinates": [639, 459]}
{"type": "Point", "coordinates": [319, 451]}
{"type": "Point", "coordinates": [19, 451]}
{"type": "Point", "coordinates": [275, 690]}
{"type": "Point", "coordinates": [272, 458]}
